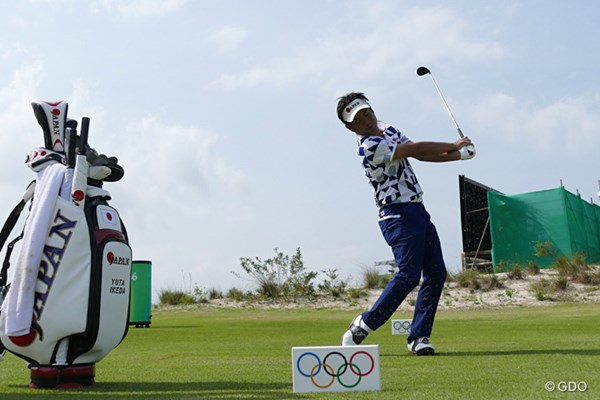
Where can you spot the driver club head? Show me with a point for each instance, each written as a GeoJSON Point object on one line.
{"type": "Point", "coordinates": [423, 71]}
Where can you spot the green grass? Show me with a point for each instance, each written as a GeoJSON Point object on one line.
{"type": "Point", "coordinates": [246, 354]}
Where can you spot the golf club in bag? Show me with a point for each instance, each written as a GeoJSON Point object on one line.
{"type": "Point", "coordinates": [425, 71]}
{"type": "Point", "coordinates": [67, 303]}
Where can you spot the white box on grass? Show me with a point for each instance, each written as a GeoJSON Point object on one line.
{"type": "Point", "coordinates": [336, 368]}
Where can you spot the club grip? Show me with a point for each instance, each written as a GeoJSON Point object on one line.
{"type": "Point", "coordinates": [72, 136]}
{"type": "Point", "coordinates": [85, 128]}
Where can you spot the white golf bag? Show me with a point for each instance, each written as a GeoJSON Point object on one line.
{"type": "Point", "coordinates": [67, 304]}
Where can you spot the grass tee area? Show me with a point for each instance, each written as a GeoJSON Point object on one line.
{"type": "Point", "coordinates": [207, 353]}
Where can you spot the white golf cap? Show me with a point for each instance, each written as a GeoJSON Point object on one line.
{"type": "Point", "coordinates": [351, 109]}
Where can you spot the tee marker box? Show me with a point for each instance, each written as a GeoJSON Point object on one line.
{"type": "Point", "coordinates": [336, 369]}
{"type": "Point", "coordinates": [401, 326]}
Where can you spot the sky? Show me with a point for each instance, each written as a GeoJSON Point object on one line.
{"type": "Point", "coordinates": [222, 114]}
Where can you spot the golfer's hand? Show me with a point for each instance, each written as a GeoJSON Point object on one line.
{"type": "Point", "coordinates": [462, 142]}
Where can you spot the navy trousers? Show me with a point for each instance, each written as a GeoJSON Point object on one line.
{"type": "Point", "coordinates": [408, 229]}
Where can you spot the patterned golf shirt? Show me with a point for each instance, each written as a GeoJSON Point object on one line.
{"type": "Point", "coordinates": [392, 181]}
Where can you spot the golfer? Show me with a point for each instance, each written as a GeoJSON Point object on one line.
{"type": "Point", "coordinates": [404, 222]}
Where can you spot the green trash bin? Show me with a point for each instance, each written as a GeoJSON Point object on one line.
{"type": "Point", "coordinates": [140, 309]}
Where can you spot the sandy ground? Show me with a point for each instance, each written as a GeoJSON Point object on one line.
{"type": "Point", "coordinates": [510, 293]}
{"type": "Point", "coordinates": [517, 292]}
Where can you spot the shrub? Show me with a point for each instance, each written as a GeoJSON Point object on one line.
{"type": "Point", "coordinates": [533, 268]}
{"type": "Point", "coordinates": [200, 295]}
{"type": "Point", "coordinates": [545, 249]}
{"type": "Point", "coordinates": [371, 277]}
{"type": "Point", "coordinates": [333, 285]}
{"type": "Point", "coordinates": [468, 279]}
{"type": "Point", "coordinates": [490, 282]}
{"type": "Point", "coordinates": [214, 294]}
{"type": "Point", "coordinates": [571, 268]}
{"type": "Point", "coordinates": [476, 280]}
{"type": "Point", "coordinates": [235, 294]}
{"type": "Point", "coordinates": [561, 283]}
{"type": "Point", "coordinates": [541, 289]}
{"type": "Point", "coordinates": [175, 297]}
{"type": "Point", "coordinates": [280, 276]}
{"type": "Point", "coordinates": [502, 266]}
{"type": "Point", "coordinates": [579, 259]}
{"type": "Point", "coordinates": [589, 278]}
{"type": "Point", "coordinates": [356, 293]}
{"type": "Point", "coordinates": [384, 279]}
{"type": "Point", "coordinates": [516, 273]}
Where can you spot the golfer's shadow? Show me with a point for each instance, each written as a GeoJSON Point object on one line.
{"type": "Point", "coordinates": [176, 390]}
{"type": "Point", "coordinates": [573, 352]}
{"type": "Point", "coordinates": [209, 389]}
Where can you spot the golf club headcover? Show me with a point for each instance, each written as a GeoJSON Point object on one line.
{"type": "Point", "coordinates": [41, 157]}
{"type": "Point", "coordinates": [98, 172]}
{"type": "Point", "coordinates": [52, 117]}
{"type": "Point", "coordinates": [467, 152]}
{"type": "Point", "coordinates": [112, 171]}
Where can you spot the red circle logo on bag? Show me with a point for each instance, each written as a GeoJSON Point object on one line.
{"type": "Point", "coordinates": [24, 340]}
{"type": "Point", "coordinates": [110, 257]}
{"type": "Point", "coordinates": [78, 195]}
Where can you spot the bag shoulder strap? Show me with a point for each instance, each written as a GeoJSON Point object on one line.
{"type": "Point", "coordinates": [10, 223]}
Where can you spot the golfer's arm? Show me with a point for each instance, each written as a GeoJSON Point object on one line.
{"type": "Point", "coordinates": [453, 155]}
{"type": "Point", "coordinates": [427, 151]}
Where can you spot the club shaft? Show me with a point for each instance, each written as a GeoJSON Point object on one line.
{"type": "Point", "coordinates": [446, 105]}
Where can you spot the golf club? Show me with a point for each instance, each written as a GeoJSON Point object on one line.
{"type": "Point", "coordinates": [424, 71]}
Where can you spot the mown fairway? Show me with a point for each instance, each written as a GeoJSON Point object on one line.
{"type": "Point", "coordinates": [246, 354]}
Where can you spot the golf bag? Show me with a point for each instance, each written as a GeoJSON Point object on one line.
{"type": "Point", "coordinates": [67, 304]}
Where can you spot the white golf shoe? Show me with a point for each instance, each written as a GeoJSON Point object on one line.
{"type": "Point", "coordinates": [421, 347]}
{"type": "Point", "coordinates": [356, 333]}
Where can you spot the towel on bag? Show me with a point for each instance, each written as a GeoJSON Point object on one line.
{"type": "Point", "coordinates": [18, 304]}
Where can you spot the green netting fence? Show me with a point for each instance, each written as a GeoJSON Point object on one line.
{"type": "Point", "coordinates": [554, 220]}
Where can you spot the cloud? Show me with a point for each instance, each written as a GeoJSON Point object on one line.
{"type": "Point", "coordinates": [418, 34]}
{"type": "Point", "coordinates": [21, 88]}
{"type": "Point", "coordinates": [142, 8]}
{"type": "Point", "coordinates": [176, 165]}
{"type": "Point", "coordinates": [17, 120]}
{"type": "Point", "coordinates": [227, 38]}
{"type": "Point", "coordinates": [569, 125]}
{"type": "Point", "coordinates": [180, 196]}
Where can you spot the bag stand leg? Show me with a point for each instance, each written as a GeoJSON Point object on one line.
{"type": "Point", "coordinates": [73, 377]}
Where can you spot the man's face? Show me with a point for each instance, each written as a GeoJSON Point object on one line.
{"type": "Point", "coordinates": [364, 123]}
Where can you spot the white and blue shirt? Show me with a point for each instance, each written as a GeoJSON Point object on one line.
{"type": "Point", "coordinates": [393, 181]}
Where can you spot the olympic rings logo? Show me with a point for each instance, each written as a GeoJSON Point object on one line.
{"type": "Point", "coordinates": [344, 366]}
{"type": "Point", "coordinates": [402, 326]}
